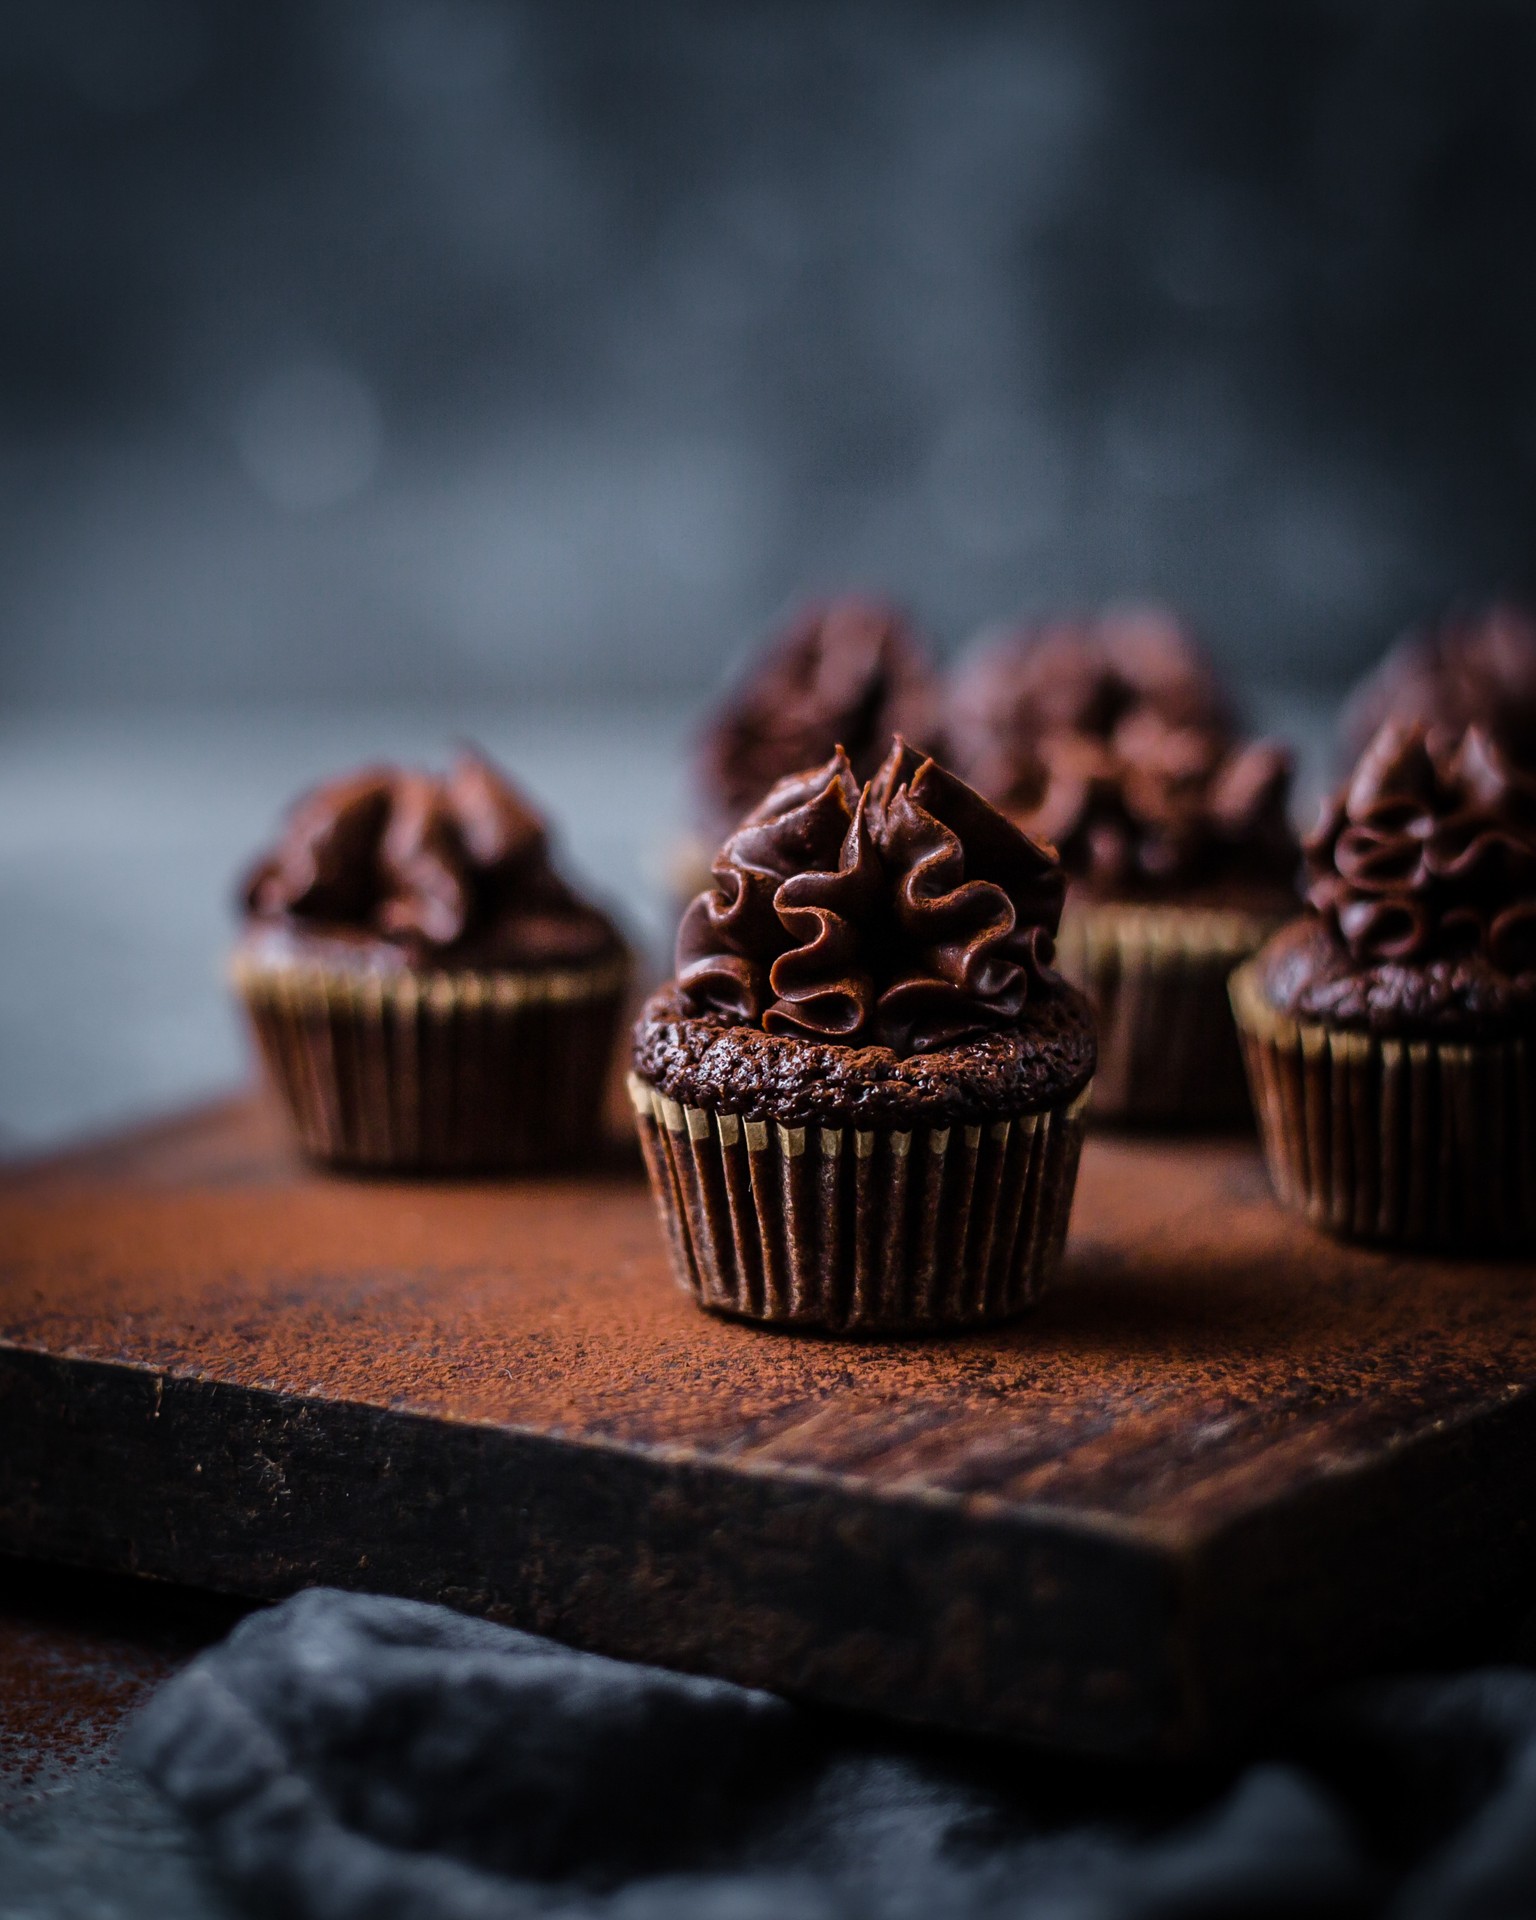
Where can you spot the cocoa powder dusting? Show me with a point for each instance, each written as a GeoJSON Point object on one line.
{"type": "Point", "coordinates": [1200, 1342]}
{"type": "Point", "coordinates": [78, 1651]}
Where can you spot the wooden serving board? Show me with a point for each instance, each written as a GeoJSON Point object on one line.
{"type": "Point", "coordinates": [1225, 1460]}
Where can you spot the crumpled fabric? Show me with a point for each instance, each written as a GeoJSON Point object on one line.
{"type": "Point", "coordinates": [346, 1756]}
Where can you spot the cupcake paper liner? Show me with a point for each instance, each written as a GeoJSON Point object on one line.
{"type": "Point", "coordinates": [858, 1230]}
{"type": "Point", "coordinates": [438, 1071]}
{"type": "Point", "coordinates": [1157, 977]}
{"type": "Point", "coordinates": [1420, 1143]}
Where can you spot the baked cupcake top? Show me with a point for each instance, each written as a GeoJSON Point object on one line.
{"type": "Point", "coordinates": [1470, 668]}
{"type": "Point", "coordinates": [1112, 740]}
{"type": "Point", "coordinates": [848, 671]}
{"type": "Point", "coordinates": [1422, 889]}
{"type": "Point", "coordinates": [877, 951]}
{"type": "Point", "coordinates": [389, 867]}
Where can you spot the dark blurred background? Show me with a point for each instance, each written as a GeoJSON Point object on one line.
{"type": "Point", "coordinates": [375, 371]}
{"type": "Point", "coordinates": [448, 349]}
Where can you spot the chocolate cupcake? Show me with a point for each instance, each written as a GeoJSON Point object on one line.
{"type": "Point", "coordinates": [1475, 668]}
{"type": "Point", "coordinates": [861, 1098]}
{"type": "Point", "coordinates": [1113, 740]}
{"type": "Point", "coordinates": [425, 991]}
{"type": "Point", "coordinates": [1391, 1032]}
{"type": "Point", "coordinates": [849, 672]}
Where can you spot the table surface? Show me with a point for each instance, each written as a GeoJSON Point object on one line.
{"type": "Point", "coordinates": [1203, 1351]}
{"type": "Point", "coordinates": [1224, 1460]}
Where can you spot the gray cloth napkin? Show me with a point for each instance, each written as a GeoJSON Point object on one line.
{"type": "Point", "coordinates": [347, 1756]}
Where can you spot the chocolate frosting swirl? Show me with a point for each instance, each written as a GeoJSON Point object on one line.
{"type": "Point", "coordinates": [906, 913]}
{"type": "Point", "coordinates": [1079, 677]}
{"type": "Point", "coordinates": [1429, 853]}
{"type": "Point", "coordinates": [1157, 811]}
{"type": "Point", "coordinates": [1112, 740]}
{"type": "Point", "coordinates": [453, 867]}
{"type": "Point", "coordinates": [1473, 667]}
{"type": "Point", "coordinates": [848, 672]}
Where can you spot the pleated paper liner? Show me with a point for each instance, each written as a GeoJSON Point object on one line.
{"type": "Point", "coordinates": [1417, 1143]}
{"type": "Point", "coordinates": [861, 1230]}
{"type": "Point", "coordinates": [1157, 977]}
{"type": "Point", "coordinates": [438, 1071]}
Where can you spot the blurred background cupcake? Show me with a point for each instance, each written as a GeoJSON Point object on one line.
{"type": "Point", "coordinates": [426, 992]}
{"type": "Point", "coordinates": [1113, 739]}
{"type": "Point", "coordinates": [1391, 1031]}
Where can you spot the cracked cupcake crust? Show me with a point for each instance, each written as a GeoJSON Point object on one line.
{"type": "Point", "coordinates": [712, 1061]}
{"type": "Point", "coordinates": [1305, 971]}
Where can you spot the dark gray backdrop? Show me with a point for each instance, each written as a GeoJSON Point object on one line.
{"type": "Point", "coordinates": [431, 347]}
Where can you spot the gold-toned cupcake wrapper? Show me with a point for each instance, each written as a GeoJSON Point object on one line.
{"type": "Point", "coordinates": [1413, 1142]}
{"type": "Point", "coordinates": [444, 1071]}
{"type": "Point", "coordinates": [1157, 978]}
{"type": "Point", "coordinates": [861, 1230]}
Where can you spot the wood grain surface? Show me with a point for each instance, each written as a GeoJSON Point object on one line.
{"type": "Point", "coordinates": [1225, 1460]}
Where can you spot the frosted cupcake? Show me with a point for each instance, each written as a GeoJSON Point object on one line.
{"type": "Point", "coordinates": [1112, 740]}
{"type": "Point", "coordinates": [1391, 1032]}
{"type": "Point", "coordinates": [861, 1098]}
{"type": "Point", "coordinates": [425, 991]}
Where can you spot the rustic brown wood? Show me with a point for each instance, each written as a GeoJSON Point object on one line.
{"type": "Point", "coordinates": [1224, 1460]}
